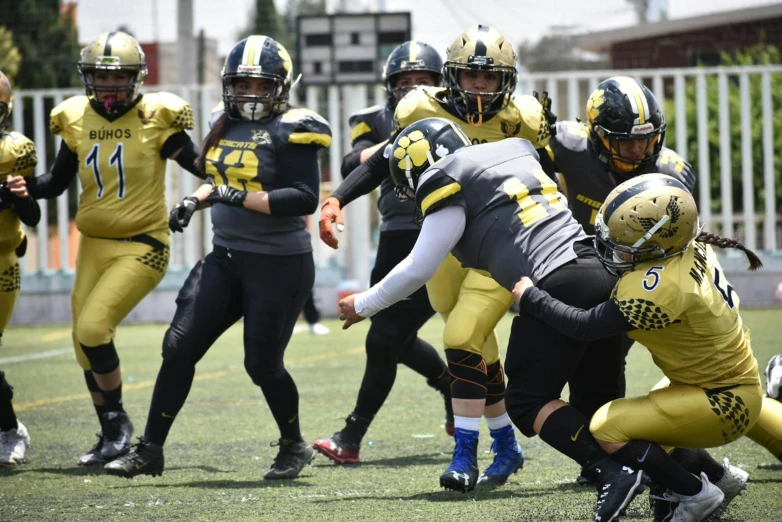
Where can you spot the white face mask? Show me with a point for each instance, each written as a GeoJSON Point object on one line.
{"type": "Point", "coordinates": [253, 111]}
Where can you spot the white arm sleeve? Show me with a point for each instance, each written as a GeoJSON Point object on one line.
{"type": "Point", "coordinates": [439, 234]}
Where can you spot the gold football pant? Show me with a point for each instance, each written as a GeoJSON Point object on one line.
{"type": "Point", "coordinates": [767, 431]}
{"type": "Point", "coordinates": [112, 277]}
{"type": "Point", "coordinates": [681, 415]}
{"type": "Point", "coordinates": [10, 282]}
{"type": "Point", "coordinates": [471, 304]}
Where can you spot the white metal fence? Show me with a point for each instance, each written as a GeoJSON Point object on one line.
{"type": "Point", "coordinates": [758, 223]}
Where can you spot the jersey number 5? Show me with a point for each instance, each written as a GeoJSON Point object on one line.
{"type": "Point", "coordinates": [531, 210]}
{"type": "Point", "coordinates": [117, 160]}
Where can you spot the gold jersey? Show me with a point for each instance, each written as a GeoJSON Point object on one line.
{"type": "Point", "coordinates": [17, 158]}
{"type": "Point", "coordinates": [522, 118]}
{"type": "Point", "coordinates": [687, 315]}
{"type": "Point", "coordinates": [121, 172]}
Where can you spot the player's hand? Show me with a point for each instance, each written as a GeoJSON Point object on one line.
{"type": "Point", "coordinates": [329, 213]}
{"type": "Point", "coordinates": [347, 311]}
{"type": "Point", "coordinates": [17, 185]}
{"type": "Point", "coordinates": [180, 215]}
{"type": "Point", "coordinates": [551, 118]}
{"type": "Point", "coordinates": [521, 287]}
{"type": "Point", "coordinates": [227, 196]}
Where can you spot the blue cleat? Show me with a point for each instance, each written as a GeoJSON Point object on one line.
{"type": "Point", "coordinates": [508, 457]}
{"type": "Point", "coordinates": [462, 474]}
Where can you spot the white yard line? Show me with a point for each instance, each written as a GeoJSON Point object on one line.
{"type": "Point", "coordinates": [37, 355]}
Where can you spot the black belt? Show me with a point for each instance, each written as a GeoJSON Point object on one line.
{"type": "Point", "coordinates": [141, 238]}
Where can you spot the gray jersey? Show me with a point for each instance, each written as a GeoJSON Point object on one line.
{"type": "Point", "coordinates": [587, 180]}
{"type": "Point", "coordinates": [367, 128]}
{"type": "Point", "coordinates": [246, 158]}
{"type": "Point", "coordinates": [517, 222]}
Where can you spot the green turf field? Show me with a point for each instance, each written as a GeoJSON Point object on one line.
{"type": "Point", "coordinates": [219, 447]}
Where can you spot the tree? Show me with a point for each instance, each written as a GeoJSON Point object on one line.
{"type": "Point", "coordinates": [268, 22]}
{"type": "Point", "coordinates": [759, 54]}
{"type": "Point", "coordinates": [10, 58]}
{"type": "Point", "coordinates": [46, 41]}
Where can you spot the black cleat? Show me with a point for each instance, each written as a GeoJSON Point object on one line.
{"type": "Point", "coordinates": [617, 486]}
{"type": "Point", "coordinates": [117, 432]}
{"type": "Point", "coordinates": [144, 458]}
{"type": "Point", "coordinates": [93, 457]}
{"type": "Point", "coordinates": [290, 460]}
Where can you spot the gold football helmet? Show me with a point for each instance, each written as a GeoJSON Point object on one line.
{"type": "Point", "coordinates": [109, 52]}
{"type": "Point", "coordinates": [485, 49]}
{"type": "Point", "coordinates": [6, 101]}
{"type": "Point", "coordinates": [647, 218]}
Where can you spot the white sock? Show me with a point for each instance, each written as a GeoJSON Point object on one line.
{"type": "Point", "coordinates": [497, 423]}
{"type": "Point", "coordinates": [467, 423]}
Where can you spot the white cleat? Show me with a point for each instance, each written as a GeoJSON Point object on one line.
{"type": "Point", "coordinates": [732, 483]}
{"type": "Point", "coordinates": [15, 444]}
{"type": "Point", "coordinates": [699, 506]}
{"type": "Point", "coordinates": [319, 329]}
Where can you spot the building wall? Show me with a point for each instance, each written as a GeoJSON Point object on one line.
{"type": "Point", "coordinates": [691, 48]}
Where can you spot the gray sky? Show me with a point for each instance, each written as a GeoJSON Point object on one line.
{"type": "Point", "coordinates": [436, 22]}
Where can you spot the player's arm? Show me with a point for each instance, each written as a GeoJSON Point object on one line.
{"type": "Point", "coordinates": [57, 180]}
{"type": "Point", "coordinates": [180, 148]}
{"type": "Point", "coordinates": [13, 192]}
{"type": "Point", "coordinates": [604, 320]}
{"type": "Point", "coordinates": [440, 232]}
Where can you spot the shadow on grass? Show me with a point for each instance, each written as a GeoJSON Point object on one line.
{"type": "Point", "coordinates": [391, 462]}
{"type": "Point", "coordinates": [224, 484]}
{"type": "Point", "coordinates": [91, 471]}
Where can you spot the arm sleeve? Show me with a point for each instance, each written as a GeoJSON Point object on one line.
{"type": "Point", "coordinates": [353, 158]}
{"type": "Point", "coordinates": [439, 234]}
{"type": "Point", "coordinates": [188, 152]}
{"type": "Point", "coordinates": [547, 163]}
{"type": "Point", "coordinates": [28, 211]}
{"type": "Point", "coordinates": [299, 165]}
{"type": "Point", "coordinates": [53, 183]}
{"type": "Point", "coordinates": [364, 179]}
{"type": "Point", "coordinates": [604, 320]}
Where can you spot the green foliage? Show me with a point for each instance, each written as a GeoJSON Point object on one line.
{"type": "Point", "coordinates": [47, 42]}
{"type": "Point", "coordinates": [10, 58]}
{"type": "Point", "coordinates": [268, 22]}
{"type": "Point", "coordinates": [759, 54]}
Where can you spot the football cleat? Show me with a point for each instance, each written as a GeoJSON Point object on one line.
{"type": "Point", "coordinates": [337, 449]}
{"type": "Point", "coordinates": [144, 458]}
{"type": "Point", "coordinates": [508, 457]}
{"type": "Point", "coordinates": [93, 456]}
{"type": "Point", "coordinates": [15, 444]}
{"type": "Point", "coordinates": [732, 483]}
{"type": "Point", "coordinates": [290, 460]}
{"type": "Point", "coordinates": [617, 486]}
{"type": "Point", "coordinates": [319, 329]}
{"type": "Point", "coordinates": [774, 377]}
{"type": "Point", "coordinates": [117, 431]}
{"type": "Point", "coordinates": [662, 508]}
{"type": "Point", "coordinates": [462, 474]}
{"type": "Point", "coordinates": [696, 507]}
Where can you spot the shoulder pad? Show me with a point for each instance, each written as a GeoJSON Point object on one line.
{"type": "Point", "coordinates": [67, 113]}
{"type": "Point", "coordinates": [529, 112]}
{"type": "Point", "coordinates": [438, 191]}
{"type": "Point", "coordinates": [17, 155]}
{"type": "Point", "coordinates": [168, 109]}
{"type": "Point", "coordinates": [305, 127]}
{"type": "Point", "coordinates": [648, 297]}
{"type": "Point", "coordinates": [669, 162]}
{"type": "Point", "coordinates": [417, 104]}
{"type": "Point", "coordinates": [571, 136]}
{"type": "Point", "coordinates": [361, 122]}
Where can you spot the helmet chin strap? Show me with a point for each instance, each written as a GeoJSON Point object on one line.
{"type": "Point", "coordinates": [655, 228]}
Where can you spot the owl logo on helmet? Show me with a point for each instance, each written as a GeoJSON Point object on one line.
{"type": "Point", "coordinates": [650, 217]}
{"type": "Point", "coordinates": [626, 125]}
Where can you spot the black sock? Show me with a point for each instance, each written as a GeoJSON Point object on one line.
{"type": "Point", "coordinates": [423, 358]}
{"type": "Point", "coordinates": [661, 467]}
{"type": "Point", "coordinates": [282, 396]}
{"type": "Point", "coordinates": [567, 431]}
{"type": "Point", "coordinates": [92, 385]}
{"type": "Point", "coordinates": [355, 428]}
{"type": "Point", "coordinates": [112, 399]}
{"type": "Point", "coordinates": [172, 386]}
{"type": "Point", "coordinates": [699, 460]}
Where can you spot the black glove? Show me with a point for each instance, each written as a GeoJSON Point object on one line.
{"type": "Point", "coordinates": [180, 215]}
{"type": "Point", "coordinates": [551, 118]}
{"type": "Point", "coordinates": [227, 196]}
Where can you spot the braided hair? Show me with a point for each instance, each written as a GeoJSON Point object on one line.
{"type": "Point", "coordinates": [722, 242]}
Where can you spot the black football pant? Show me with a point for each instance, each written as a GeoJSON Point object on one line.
{"type": "Point", "coordinates": [393, 335]}
{"type": "Point", "coordinates": [540, 360]}
{"type": "Point", "coordinates": [269, 292]}
{"type": "Point", "coordinates": [311, 312]}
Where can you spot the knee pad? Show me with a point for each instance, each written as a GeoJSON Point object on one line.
{"type": "Point", "coordinates": [103, 359]}
{"type": "Point", "coordinates": [495, 391]}
{"type": "Point", "coordinates": [6, 390]}
{"type": "Point", "coordinates": [384, 343]}
{"type": "Point", "coordinates": [468, 374]}
{"type": "Point", "coordinates": [464, 332]}
{"type": "Point", "coordinates": [92, 333]}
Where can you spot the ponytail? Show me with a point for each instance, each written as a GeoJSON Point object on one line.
{"type": "Point", "coordinates": [714, 239]}
{"type": "Point", "coordinates": [218, 130]}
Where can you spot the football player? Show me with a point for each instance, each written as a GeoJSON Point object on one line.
{"type": "Point", "coordinates": [17, 161]}
{"type": "Point", "coordinates": [393, 335]}
{"type": "Point", "coordinates": [672, 297]}
{"type": "Point", "coordinates": [497, 211]}
{"type": "Point", "coordinates": [117, 141]}
{"type": "Point", "coordinates": [261, 159]}
{"type": "Point", "coordinates": [480, 77]}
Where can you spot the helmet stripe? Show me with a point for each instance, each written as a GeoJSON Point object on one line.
{"type": "Point", "coordinates": [480, 47]}
{"type": "Point", "coordinates": [253, 49]}
{"type": "Point", "coordinates": [636, 189]}
{"type": "Point", "coordinates": [630, 88]}
{"type": "Point", "coordinates": [459, 132]}
{"type": "Point", "coordinates": [259, 50]}
{"type": "Point", "coordinates": [107, 46]}
{"type": "Point", "coordinates": [413, 52]}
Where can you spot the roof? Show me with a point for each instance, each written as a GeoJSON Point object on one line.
{"type": "Point", "coordinates": [602, 40]}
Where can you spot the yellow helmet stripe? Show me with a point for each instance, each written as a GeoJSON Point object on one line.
{"type": "Point", "coordinates": [413, 52]}
{"type": "Point", "coordinates": [253, 50]}
{"type": "Point", "coordinates": [630, 88]}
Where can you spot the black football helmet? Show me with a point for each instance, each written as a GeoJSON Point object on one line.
{"type": "Point", "coordinates": [418, 147]}
{"type": "Point", "coordinates": [410, 56]}
{"type": "Point", "coordinates": [620, 112]}
{"type": "Point", "coordinates": [257, 56]}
